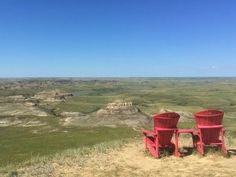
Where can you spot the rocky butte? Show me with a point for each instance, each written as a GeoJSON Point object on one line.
{"type": "Point", "coordinates": [117, 113]}
{"type": "Point", "coordinates": [118, 107]}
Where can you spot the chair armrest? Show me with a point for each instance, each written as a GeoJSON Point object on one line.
{"type": "Point", "coordinates": [148, 132]}
{"type": "Point", "coordinates": [166, 129]}
{"type": "Point", "coordinates": [210, 126]}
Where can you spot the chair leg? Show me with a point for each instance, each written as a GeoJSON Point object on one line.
{"type": "Point", "coordinates": [177, 153]}
{"type": "Point", "coordinates": [223, 147]}
{"type": "Point", "coordinates": [198, 148]}
{"type": "Point", "coordinates": [201, 149]}
{"type": "Point", "coordinates": [194, 139]}
{"type": "Point", "coordinates": [157, 148]}
{"type": "Point", "coordinates": [153, 151]}
{"type": "Point", "coordinates": [158, 153]}
{"type": "Point", "coordinates": [200, 145]}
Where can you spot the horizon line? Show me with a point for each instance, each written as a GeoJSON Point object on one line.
{"type": "Point", "coordinates": [111, 77]}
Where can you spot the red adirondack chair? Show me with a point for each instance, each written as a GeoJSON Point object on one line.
{"type": "Point", "coordinates": [210, 131]}
{"type": "Point", "coordinates": [164, 126]}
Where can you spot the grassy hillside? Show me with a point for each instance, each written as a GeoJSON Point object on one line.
{"type": "Point", "coordinates": [18, 144]}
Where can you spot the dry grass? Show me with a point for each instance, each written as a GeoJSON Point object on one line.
{"type": "Point", "coordinates": [129, 159]}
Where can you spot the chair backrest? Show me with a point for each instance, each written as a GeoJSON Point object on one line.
{"type": "Point", "coordinates": [207, 122]}
{"type": "Point", "coordinates": [164, 121]}
{"type": "Point", "coordinates": [209, 117]}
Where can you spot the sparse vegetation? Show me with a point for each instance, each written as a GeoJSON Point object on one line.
{"type": "Point", "coordinates": [38, 132]}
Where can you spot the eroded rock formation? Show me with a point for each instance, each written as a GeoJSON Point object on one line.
{"type": "Point", "coordinates": [52, 96]}
{"type": "Point", "coordinates": [118, 107]}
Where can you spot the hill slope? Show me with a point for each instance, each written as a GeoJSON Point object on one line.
{"type": "Point", "coordinates": [131, 160]}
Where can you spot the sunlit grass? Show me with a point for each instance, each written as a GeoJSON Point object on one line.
{"type": "Point", "coordinates": [19, 144]}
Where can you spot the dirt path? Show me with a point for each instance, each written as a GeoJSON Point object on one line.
{"type": "Point", "coordinates": [132, 160]}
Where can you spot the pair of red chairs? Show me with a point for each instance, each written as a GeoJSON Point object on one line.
{"type": "Point", "coordinates": [209, 131]}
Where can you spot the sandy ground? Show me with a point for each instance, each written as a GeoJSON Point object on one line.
{"type": "Point", "coordinates": [132, 160]}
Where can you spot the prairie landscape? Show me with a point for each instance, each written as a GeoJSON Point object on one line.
{"type": "Point", "coordinates": [82, 81]}
{"type": "Point", "coordinates": [91, 127]}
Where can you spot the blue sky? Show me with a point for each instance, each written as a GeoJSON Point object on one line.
{"type": "Point", "coordinates": [117, 38]}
